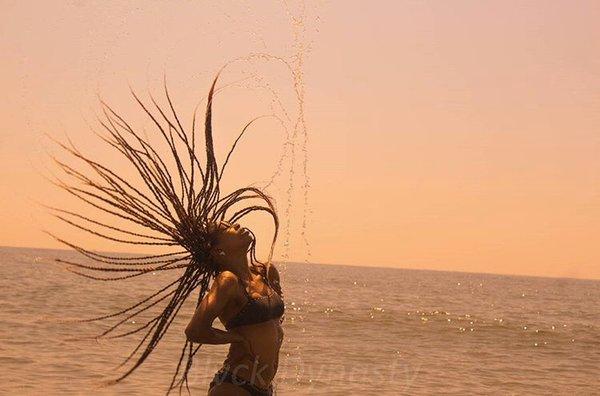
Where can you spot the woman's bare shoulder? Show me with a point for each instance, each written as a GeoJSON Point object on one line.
{"type": "Point", "coordinates": [273, 272]}
{"type": "Point", "coordinates": [274, 278]}
{"type": "Point", "coordinates": [226, 281]}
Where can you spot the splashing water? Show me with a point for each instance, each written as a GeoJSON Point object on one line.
{"type": "Point", "coordinates": [295, 151]}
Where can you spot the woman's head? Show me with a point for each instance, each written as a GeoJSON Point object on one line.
{"type": "Point", "coordinates": [229, 240]}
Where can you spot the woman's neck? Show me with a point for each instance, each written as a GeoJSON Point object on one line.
{"type": "Point", "coordinates": [239, 266]}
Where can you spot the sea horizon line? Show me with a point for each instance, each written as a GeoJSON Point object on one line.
{"type": "Point", "coordinates": [293, 262]}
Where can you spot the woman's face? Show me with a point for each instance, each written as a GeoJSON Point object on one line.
{"type": "Point", "coordinates": [232, 238]}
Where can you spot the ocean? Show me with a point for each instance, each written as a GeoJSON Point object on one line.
{"type": "Point", "coordinates": [348, 331]}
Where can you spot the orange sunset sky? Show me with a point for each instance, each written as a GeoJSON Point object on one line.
{"type": "Point", "coordinates": [446, 135]}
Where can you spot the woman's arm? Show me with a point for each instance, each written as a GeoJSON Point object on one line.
{"type": "Point", "coordinates": [200, 328]}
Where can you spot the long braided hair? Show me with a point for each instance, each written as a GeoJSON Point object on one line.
{"type": "Point", "coordinates": [173, 211]}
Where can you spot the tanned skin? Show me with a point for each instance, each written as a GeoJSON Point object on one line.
{"type": "Point", "coordinates": [254, 348]}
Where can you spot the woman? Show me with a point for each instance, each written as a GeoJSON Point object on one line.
{"type": "Point", "coordinates": [177, 204]}
{"type": "Point", "coordinates": [247, 299]}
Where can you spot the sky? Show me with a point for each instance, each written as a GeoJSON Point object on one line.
{"type": "Point", "coordinates": [461, 136]}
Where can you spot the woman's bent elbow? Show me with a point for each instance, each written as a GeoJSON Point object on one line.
{"type": "Point", "coordinates": [192, 335]}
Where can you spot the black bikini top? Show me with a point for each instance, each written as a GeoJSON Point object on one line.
{"type": "Point", "coordinates": [257, 309]}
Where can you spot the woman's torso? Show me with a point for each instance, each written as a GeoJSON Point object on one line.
{"type": "Point", "coordinates": [255, 316]}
